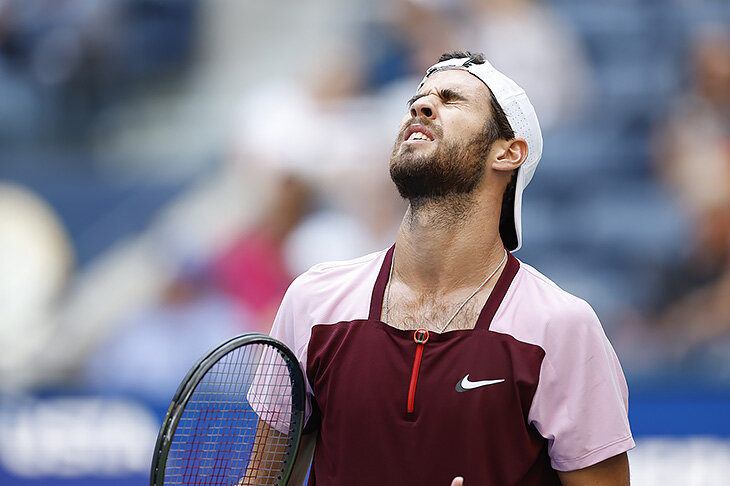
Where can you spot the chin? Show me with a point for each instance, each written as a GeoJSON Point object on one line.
{"type": "Point", "coordinates": [410, 161]}
{"type": "Point", "coordinates": [418, 147]}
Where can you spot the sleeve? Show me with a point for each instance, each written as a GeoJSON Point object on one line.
{"type": "Point", "coordinates": [581, 402]}
{"type": "Point", "coordinates": [292, 327]}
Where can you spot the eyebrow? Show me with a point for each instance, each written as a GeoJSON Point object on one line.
{"type": "Point", "coordinates": [445, 94]}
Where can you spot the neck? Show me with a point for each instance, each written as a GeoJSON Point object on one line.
{"type": "Point", "coordinates": [444, 245]}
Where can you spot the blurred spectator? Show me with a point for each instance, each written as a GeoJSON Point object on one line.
{"type": "Point", "coordinates": [252, 269]}
{"type": "Point", "coordinates": [289, 144]}
{"type": "Point", "coordinates": [63, 62]}
{"type": "Point", "coordinates": [36, 260]}
{"type": "Point", "coordinates": [396, 48]}
{"type": "Point", "coordinates": [529, 41]}
{"type": "Point", "coordinates": [152, 349]}
{"type": "Point", "coordinates": [315, 144]}
{"type": "Point", "coordinates": [692, 156]}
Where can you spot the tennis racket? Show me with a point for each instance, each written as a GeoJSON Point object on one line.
{"type": "Point", "coordinates": [236, 419]}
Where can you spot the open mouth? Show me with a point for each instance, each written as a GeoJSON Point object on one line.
{"type": "Point", "coordinates": [417, 133]}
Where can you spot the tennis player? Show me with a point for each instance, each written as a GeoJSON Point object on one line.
{"type": "Point", "coordinates": [444, 359]}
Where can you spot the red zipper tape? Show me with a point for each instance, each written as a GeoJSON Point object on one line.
{"type": "Point", "coordinates": [420, 337]}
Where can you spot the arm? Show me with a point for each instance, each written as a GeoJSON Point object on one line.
{"type": "Point", "coordinates": [611, 472]}
{"type": "Point", "coordinates": [581, 402]}
{"type": "Point", "coordinates": [303, 460]}
{"type": "Point", "coordinates": [269, 447]}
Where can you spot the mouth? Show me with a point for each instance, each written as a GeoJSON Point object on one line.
{"type": "Point", "coordinates": [417, 133]}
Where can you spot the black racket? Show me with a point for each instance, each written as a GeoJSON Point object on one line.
{"type": "Point", "coordinates": [236, 419]}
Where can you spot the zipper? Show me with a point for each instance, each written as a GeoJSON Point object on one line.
{"type": "Point", "coordinates": [420, 336]}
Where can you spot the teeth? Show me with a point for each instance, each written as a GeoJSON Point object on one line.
{"type": "Point", "coordinates": [418, 136]}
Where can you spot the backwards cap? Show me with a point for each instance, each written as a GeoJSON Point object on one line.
{"type": "Point", "coordinates": [521, 116]}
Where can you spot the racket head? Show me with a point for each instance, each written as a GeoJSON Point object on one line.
{"type": "Point", "coordinates": [208, 431]}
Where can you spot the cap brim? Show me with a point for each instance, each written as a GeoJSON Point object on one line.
{"type": "Point", "coordinates": [519, 189]}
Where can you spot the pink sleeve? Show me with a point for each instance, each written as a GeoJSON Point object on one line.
{"type": "Point", "coordinates": [287, 327]}
{"type": "Point", "coordinates": [581, 402]}
{"type": "Point", "coordinates": [292, 327]}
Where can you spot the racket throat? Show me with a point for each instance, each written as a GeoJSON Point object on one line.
{"type": "Point", "coordinates": [420, 336]}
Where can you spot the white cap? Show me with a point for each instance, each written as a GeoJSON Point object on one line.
{"type": "Point", "coordinates": [520, 114]}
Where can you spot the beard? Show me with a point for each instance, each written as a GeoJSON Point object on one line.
{"type": "Point", "coordinates": [451, 172]}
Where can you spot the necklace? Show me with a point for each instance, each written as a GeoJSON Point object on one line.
{"type": "Point", "coordinates": [489, 277]}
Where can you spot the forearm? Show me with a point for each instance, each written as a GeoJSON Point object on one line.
{"type": "Point", "coordinates": [303, 459]}
{"type": "Point", "coordinates": [269, 450]}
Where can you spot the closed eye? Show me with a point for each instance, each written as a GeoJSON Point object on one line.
{"type": "Point", "coordinates": [446, 95]}
{"type": "Point", "coordinates": [449, 95]}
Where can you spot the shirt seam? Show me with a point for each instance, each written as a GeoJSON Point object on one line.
{"type": "Point", "coordinates": [592, 452]}
{"type": "Point", "coordinates": [346, 263]}
{"type": "Point", "coordinates": [534, 273]}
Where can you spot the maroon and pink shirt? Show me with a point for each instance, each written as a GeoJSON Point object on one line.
{"type": "Point", "coordinates": [535, 387]}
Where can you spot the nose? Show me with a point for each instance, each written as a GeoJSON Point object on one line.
{"type": "Point", "coordinates": [423, 106]}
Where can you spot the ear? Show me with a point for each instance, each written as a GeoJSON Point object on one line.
{"type": "Point", "coordinates": [508, 155]}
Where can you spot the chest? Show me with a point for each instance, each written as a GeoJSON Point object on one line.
{"type": "Point", "coordinates": [435, 313]}
{"type": "Point", "coordinates": [472, 396]}
{"type": "Point", "coordinates": [459, 379]}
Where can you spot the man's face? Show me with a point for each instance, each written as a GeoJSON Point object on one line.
{"type": "Point", "coordinates": [444, 140]}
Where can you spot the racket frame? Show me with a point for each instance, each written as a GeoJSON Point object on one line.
{"type": "Point", "coordinates": [194, 377]}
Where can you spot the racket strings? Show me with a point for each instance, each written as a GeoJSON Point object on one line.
{"type": "Point", "coordinates": [236, 425]}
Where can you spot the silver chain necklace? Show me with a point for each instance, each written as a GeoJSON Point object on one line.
{"type": "Point", "coordinates": [387, 291]}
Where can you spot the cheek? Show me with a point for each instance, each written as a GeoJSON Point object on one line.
{"type": "Point", "coordinates": [467, 131]}
{"type": "Point", "coordinates": [403, 123]}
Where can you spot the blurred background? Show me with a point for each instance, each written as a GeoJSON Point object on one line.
{"type": "Point", "coordinates": [167, 167]}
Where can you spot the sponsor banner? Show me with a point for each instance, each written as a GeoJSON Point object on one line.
{"type": "Point", "coordinates": [90, 440]}
{"type": "Point", "coordinates": [71, 440]}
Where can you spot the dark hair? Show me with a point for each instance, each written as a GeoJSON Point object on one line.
{"type": "Point", "coordinates": [500, 129]}
{"type": "Point", "coordinates": [474, 58]}
{"type": "Point", "coordinates": [507, 214]}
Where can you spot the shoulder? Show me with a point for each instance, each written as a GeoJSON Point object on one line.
{"type": "Point", "coordinates": [324, 278]}
{"type": "Point", "coordinates": [327, 293]}
{"type": "Point", "coordinates": [335, 291]}
{"type": "Point", "coordinates": [550, 298]}
{"type": "Point", "coordinates": [581, 400]}
{"type": "Point", "coordinates": [538, 311]}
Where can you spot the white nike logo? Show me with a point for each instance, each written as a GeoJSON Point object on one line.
{"type": "Point", "coordinates": [465, 384]}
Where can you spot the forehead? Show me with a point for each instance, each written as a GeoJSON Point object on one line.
{"type": "Point", "coordinates": [458, 80]}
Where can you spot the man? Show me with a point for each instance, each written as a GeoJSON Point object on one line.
{"type": "Point", "coordinates": [445, 360]}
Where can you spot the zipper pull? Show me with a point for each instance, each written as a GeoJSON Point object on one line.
{"type": "Point", "coordinates": [420, 336]}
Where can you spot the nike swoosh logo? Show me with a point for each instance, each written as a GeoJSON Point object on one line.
{"type": "Point", "coordinates": [465, 384]}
